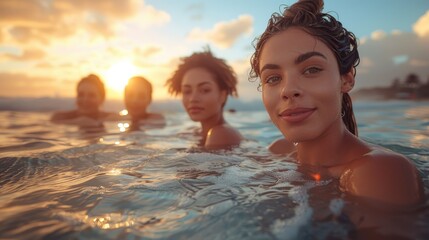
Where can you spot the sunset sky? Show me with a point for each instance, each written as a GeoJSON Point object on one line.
{"type": "Point", "coordinates": [46, 46]}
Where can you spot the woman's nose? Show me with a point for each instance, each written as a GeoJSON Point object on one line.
{"type": "Point", "coordinates": [290, 90]}
{"type": "Point", "coordinates": [194, 96]}
{"type": "Point", "coordinates": [84, 98]}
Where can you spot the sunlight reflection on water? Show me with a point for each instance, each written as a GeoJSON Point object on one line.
{"type": "Point", "coordinates": [59, 182]}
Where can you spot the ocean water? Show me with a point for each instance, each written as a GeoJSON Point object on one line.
{"type": "Point", "coordinates": [65, 182]}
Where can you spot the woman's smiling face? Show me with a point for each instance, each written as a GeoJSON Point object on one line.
{"type": "Point", "coordinates": [301, 85]}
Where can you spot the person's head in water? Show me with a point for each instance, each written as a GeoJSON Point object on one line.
{"type": "Point", "coordinates": [204, 81]}
{"type": "Point", "coordinates": [90, 94]}
{"type": "Point", "coordinates": [327, 40]}
{"type": "Point", "coordinates": [306, 61]}
{"type": "Point", "coordinates": [137, 96]}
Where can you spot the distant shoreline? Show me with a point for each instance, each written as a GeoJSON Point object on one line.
{"type": "Point", "coordinates": [392, 93]}
{"type": "Point", "coordinates": [49, 104]}
{"type": "Point", "coordinates": [410, 88]}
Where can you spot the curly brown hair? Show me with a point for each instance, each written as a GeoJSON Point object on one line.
{"type": "Point", "coordinates": [308, 16]}
{"type": "Point", "coordinates": [223, 73]}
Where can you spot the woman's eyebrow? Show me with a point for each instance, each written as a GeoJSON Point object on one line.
{"type": "Point", "coordinates": [269, 66]}
{"type": "Point", "coordinates": [204, 83]}
{"type": "Point", "coordinates": [198, 85]}
{"type": "Point", "coordinates": [301, 58]}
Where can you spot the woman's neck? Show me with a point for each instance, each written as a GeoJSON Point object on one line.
{"type": "Point", "coordinates": [211, 122]}
{"type": "Point", "coordinates": [330, 149]}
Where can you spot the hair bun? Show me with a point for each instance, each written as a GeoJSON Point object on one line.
{"type": "Point", "coordinates": [310, 6]}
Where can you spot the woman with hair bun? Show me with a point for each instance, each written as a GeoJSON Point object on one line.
{"type": "Point", "coordinates": [306, 62]}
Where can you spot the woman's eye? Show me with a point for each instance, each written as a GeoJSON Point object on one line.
{"type": "Point", "coordinates": [206, 90]}
{"type": "Point", "coordinates": [272, 79]}
{"type": "Point", "coordinates": [312, 70]}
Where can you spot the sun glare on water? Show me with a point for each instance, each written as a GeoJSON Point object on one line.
{"type": "Point", "coordinates": [118, 74]}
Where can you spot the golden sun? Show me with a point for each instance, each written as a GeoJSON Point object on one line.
{"type": "Point", "coordinates": [118, 74]}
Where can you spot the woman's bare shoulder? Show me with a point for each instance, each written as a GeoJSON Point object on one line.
{"type": "Point", "coordinates": [281, 146]}
{"type": "Point", "coordinates": [223, 136]}
{"type": "Point", "coordinates": [383, 176]}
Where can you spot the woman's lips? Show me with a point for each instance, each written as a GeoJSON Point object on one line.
{"type": "Point", "coordinates": [195, 110]}
{"type": "Point", "coordinates": [296, 115]}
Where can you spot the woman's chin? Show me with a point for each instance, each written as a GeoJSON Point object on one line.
{"type": "Point", "coordinates": [195, 118]}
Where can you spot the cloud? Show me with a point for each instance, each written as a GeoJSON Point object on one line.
{"type": "Point", "coordinates": [385, 57]}
{"type": "Point", "coordinates": [396, 32]}
{"type": "Point", "coordinates": [27, 54]}
{"type": "Point", "coordinates": [419, 63]}
{"type": "Point", "coordinates": [46, 65]}
{"type": "Point", "coordinates": [362, 40]}
{"type": "Point", "coordinates": [378, 35]}
{"type": "Point", "coordinates": [421, 27]}
{"type": "Point", "coordinates": [152, 16]}
{"type": "Point", "coordinates": [196, 11]}
{"type": "Point", "coordinates": [44, 21]}
{"type": "Point", "coordinates": [365, 64]}
{"type": "Point", "coordinates": [247, 90]}
{"type": "Point", "coordinates": [225, 34]}
{"type": "Point", "coordinates": [146, 58]}
{"type": "Point", "coordinates": [147, 52]}
{"type": "Point", "coordinates": [71, 34]}
{"type": "Point", "coordinates": [13, 83]}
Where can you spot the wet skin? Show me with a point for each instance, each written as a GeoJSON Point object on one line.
{"type": "Point", "coordinates": [302, 92]}
{"type": "Point", "coordinates": [203, 100]}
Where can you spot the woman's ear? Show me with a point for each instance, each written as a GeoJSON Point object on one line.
{"type": "Point", "coordinates": [347, 81]}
